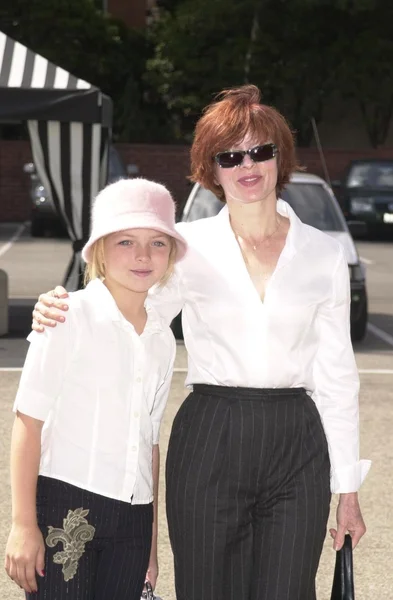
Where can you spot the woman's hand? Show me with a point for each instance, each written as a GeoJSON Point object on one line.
{"type": "Point", "coordinates": [349, 519]}
{"type": "Point", "coordinates": [152, 571]}
{"type": "Point", "coordinates": [25, 554]}
{"type": "Point", "coordinates": [47, 310]}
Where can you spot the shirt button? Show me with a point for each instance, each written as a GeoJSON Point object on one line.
{"type": "Point", "coordinates": [133, 448]}
{"type": "Point", "coordinates": [138, 379]}
{"type": "Point", "coordinates": [136, 414]}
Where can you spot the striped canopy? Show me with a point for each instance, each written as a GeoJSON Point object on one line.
{"type": "Point", "coordinates": [69, 123]}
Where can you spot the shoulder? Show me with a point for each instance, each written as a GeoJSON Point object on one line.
{"type": "Point", "coordinates": [323, 245]}
{"type": "Point", "coordinates": [68, 328]}
{"type": "Point", "coordinates": [195, 229]}
{"type": "Point", "coordinates": [80, 306]}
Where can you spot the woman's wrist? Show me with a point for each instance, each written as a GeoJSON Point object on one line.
{"type": "Point", "coordinates": [349, 498]}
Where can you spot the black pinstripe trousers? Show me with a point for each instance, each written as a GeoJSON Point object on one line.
{"type": "Point", "coordinates": [98, 553]}
{"type": "Point", "coordinates": [248, 494]}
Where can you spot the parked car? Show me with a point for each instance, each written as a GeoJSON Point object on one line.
{"type": "Point", "coordinates": [366, 193]}
{"type": "Point", "coordinates": [315, 204]}
{"type": "Point", "coordinates": [44, 216]}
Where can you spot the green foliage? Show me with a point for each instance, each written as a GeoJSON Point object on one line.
{"type": "Point", "coordinates": [299, 52]}
{"type": "Point", "coordinates": [199, 50]}
{"type": "Point", "coordinates": [365, 72]}
{"type": "Point", "coordinates": [77, 36]}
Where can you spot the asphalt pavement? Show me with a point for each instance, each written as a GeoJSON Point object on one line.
{"type": "Point", "coordinates": [35, 265]}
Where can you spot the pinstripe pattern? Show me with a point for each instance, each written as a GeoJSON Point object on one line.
{"type": "Point", "coordinates": [72, 162]}
{"type": "Point", "coordinates": [115, 562]}
{"type": "Point", "coordinates": [248, 493]}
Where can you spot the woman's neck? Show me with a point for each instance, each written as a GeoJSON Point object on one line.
{"type": "Point", "coordinates": [255, 220]}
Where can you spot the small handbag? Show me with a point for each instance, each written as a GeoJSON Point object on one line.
{"type": "Point", "coordinates": [148, 593]}
{"type": "Point", "coordinates": [343, 585]}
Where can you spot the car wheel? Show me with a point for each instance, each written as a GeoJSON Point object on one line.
{"type": "Point", "coordinates": [37, 228]}
{"type": "Point", "coordinates": [359, 327]}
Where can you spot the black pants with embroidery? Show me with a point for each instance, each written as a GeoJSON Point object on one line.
{"type": "Point", "coordinates": [96, 548]}
{"type": "Point", "coordinates": [248, 494]}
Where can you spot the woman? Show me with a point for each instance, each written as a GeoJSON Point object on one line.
{"type": "Point", "coordinates": [273, 415]}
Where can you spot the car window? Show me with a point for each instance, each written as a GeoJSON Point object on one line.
{"type": "Point", "coordinates": [116, 169]}
{"type": "Point", "coordinates": [314, 206]}
{"type": "Point", "coordinates": [372, 174]}
{"type": "Point", "coordinates": [205, 204]}
{"type": "Point", "coordinates": [311, 202]}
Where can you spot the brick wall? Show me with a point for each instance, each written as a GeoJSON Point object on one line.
{"type": "Point", "coordinates": [168, 164]}
{"type": "Point", "coordinates": [132, 12]}
{"type": "Point", "coordinates": [14, 183]}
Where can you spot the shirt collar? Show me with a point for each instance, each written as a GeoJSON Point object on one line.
{"type": "Point", "coordinates": [297, 234]}
{"type": "Point", "coordinates": [106, 307]}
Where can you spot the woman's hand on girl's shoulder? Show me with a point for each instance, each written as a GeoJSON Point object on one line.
{"type": "Point", "coordinates": [49, 308]}
{"type": "Point", "coordinates": [25, 555]}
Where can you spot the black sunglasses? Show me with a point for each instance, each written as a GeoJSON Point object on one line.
{"type": "Point", "coordinates": [227, 160]}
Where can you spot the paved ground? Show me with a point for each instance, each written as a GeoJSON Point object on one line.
{"type": "Point", "coordinates": [34, 266]}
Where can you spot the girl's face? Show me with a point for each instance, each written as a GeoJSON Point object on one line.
{"type": "Point", "coordinates": [136, 259]}
{"type": "Point", "coordinates": [250, 182]}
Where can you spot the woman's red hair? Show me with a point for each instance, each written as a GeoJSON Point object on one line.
{"type": "Point", "coordinates": [234, 114]}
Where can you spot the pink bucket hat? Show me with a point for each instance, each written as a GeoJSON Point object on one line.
{"type": "Point", "coordinates": [133, 204]}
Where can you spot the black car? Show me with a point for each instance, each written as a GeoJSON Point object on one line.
{"type": "Point", "coordinates": [366, 194]}
{"type": "Point", "coordinates": [315, 204]}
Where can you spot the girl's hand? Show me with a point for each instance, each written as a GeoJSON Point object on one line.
{"type": "Point", "coordinates": [48, 309]}
{"type": "Point", "coordinates": [349, 519]}
{"type": "Point", "coordinates": [25, 554]}
{"type": "Point", "coordinates": [152, 572]}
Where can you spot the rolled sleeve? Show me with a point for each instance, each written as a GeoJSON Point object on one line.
{"type": "Point", "coordinates": [168, 300]}
{"type": "Point", "coordinates": [336, 385]}
{"type": "Point", "coordinates": [162, 396]}
{"type": "Point", "coordinates": [44, 369]}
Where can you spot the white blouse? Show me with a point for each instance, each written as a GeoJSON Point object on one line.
{"type": "Point", "coordinates": [101, 390]}
{"type": "Point", "coordinates": [299, 336]}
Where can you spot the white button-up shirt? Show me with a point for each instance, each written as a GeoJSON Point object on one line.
{"type": "Point", "coordinates": [101, 390]}
{"type": "Point", "coordinates": [299, 336]}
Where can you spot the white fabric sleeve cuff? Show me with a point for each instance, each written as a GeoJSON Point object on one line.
{"type": "Point", "coordinates": [349, 479]}
{"type": "Point", "coordinates": [33, 404]}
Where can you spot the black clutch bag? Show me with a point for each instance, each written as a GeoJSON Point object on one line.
{"type": "Point", "coordinates": [343, 586]}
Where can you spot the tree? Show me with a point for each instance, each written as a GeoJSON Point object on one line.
{"type": "Point", "coordinates": [299, 52]}
{"type": "Point", "coordinates": [200, 48]}
{"type": "Point", "coordinates": [93, 46]}
{"type": "Point", "coordinates": [296, 58]}
{"type": "Point", "coordinates": [286, 48]}
{"type": "Point", "coordinates": [366, 74]}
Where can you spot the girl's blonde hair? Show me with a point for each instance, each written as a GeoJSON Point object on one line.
{"type": "Point", "coordinates": [96, 268]}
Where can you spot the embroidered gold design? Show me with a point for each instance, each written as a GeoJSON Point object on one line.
{"type": "Point", "coordinates": [74, 536]}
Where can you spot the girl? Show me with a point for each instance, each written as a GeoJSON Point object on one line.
{"type": "Point", "coordinates": [85, 455]}
{"type": "Point", "coordinates": [270, 427]}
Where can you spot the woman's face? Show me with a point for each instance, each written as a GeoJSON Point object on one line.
{"type": "Point", "coordinates": [250, 182]}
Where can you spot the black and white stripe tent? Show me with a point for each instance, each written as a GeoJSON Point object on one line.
{"type": "Point", "coordinates": [69, 124]}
